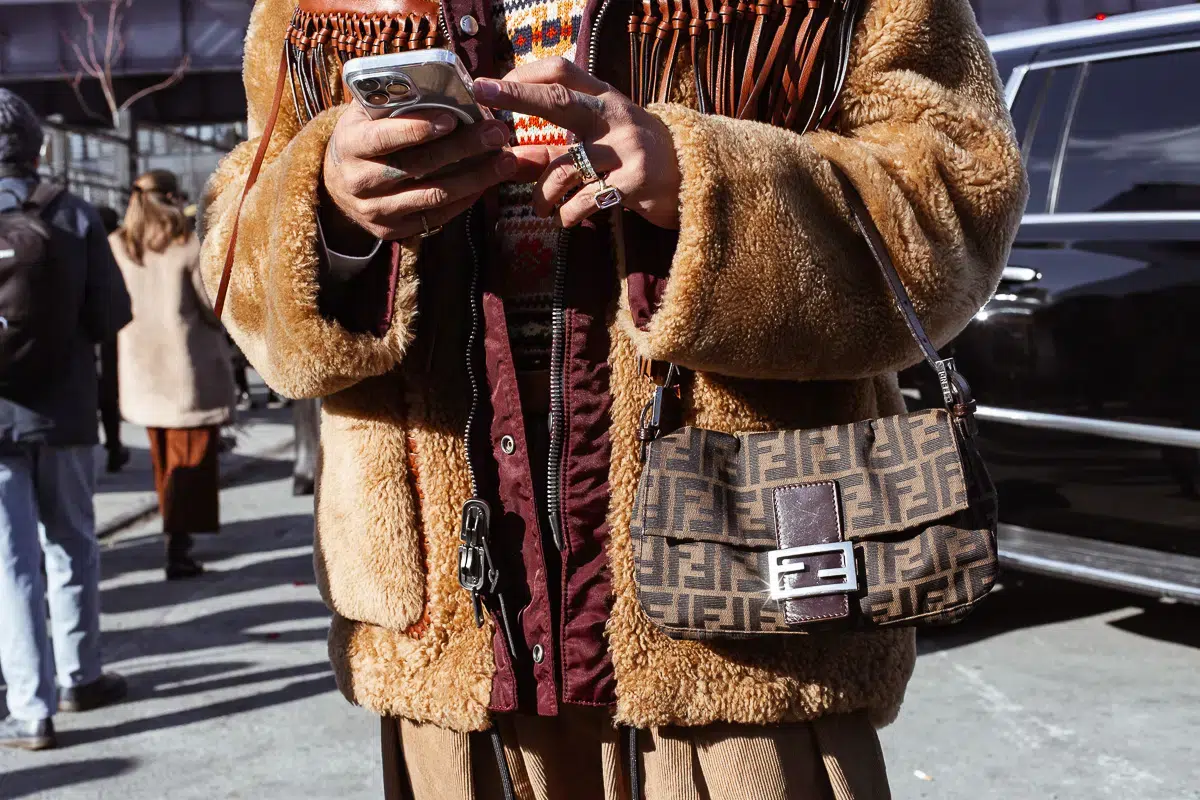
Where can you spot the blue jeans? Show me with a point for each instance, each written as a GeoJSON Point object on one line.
{"type": "Point", "coordinates": [52, 486]}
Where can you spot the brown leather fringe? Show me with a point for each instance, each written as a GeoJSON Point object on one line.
{"type": "Point", "coordinates": [317, 41]}
{"type": "Point", "coordinates": [777, 61]}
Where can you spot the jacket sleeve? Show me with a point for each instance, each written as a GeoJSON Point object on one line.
{"type": "Point", "coordinates": [106, 304]}
{"type": "Point", "coordinates": [306, 337]}
{"type": "Point", "coordinates": [769, 278]}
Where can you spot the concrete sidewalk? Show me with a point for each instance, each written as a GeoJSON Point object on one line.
{"type": "Point", "coordinates": [231, 694]}
{"type": "Point", "coordinates": [128, 497]}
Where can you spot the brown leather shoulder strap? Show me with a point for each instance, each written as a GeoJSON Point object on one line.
{"type": "Point", "coordinates": [955, 390]}
{"type": "Point", "coordinates": [255, 168]}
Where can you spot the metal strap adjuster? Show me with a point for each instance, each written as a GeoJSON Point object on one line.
{"type": "Point", "coordinates": [778, 568]}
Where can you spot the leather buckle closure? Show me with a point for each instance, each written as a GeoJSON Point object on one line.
{"type": "Point", "coordinates": [781, 563]}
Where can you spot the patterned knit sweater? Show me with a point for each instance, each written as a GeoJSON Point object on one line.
{"type": "Point", "coordinates": [528, 30]}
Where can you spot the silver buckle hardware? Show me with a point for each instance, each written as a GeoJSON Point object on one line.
{"type": "Point", "coordinates": [779, 568]}
{"type": "Point", "coordinates": [944, 368]}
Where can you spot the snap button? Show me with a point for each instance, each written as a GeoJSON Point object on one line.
{"type": "Point", "coordinates": [468, 25]}
{"type": "Point", "coordinates": [539, 654]}
{"type": "Point", "coordinates": [508, 445]}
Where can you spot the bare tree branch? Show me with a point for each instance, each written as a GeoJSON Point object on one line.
{"type": "Point", "coordinates": [174, 78]}
{"type": "Point", "coordinates": [100, 64]}
{"type": "Point", "coordinates": [76, 84]}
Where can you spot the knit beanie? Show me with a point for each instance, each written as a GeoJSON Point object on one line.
{"type": "Point", "coordinates": [20, 131]}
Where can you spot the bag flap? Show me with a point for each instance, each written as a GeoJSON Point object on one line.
{"type": "Point", "coordinates": [892, 474]}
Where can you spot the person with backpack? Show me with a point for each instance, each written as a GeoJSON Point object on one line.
{"type": "Point", "coordinates": [61, 294]}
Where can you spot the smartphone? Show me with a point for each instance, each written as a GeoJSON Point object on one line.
{"type": "Point", "coordinates": [394, 84]}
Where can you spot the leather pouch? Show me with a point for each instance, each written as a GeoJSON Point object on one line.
{"type": "Point", "coordinates": [882, 522]}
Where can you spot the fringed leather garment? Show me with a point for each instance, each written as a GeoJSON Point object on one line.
{"type": "Point", "coordinates": [777, 61]}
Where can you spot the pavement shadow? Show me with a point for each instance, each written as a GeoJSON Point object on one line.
{"type": "Point", "coordinates": [30, 781]}
{"type": "Point", "coordinates": [268, 624]}
{"type": "Point", "coordinates": [319, 681]}
{"type": "Point", "coordinates": [1028, 601]}
{"type": "Point", "coordinates": [258, 536]}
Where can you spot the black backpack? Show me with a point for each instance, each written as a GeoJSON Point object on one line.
{"type": "Point", "coordinates": [35, 325]}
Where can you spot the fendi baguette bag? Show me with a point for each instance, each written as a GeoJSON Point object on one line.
{"type": "Point", "coordinates": [883, 522]}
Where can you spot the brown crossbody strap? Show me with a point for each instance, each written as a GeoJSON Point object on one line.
{"type": "Point", "coordinates": [954, 388]}
{"type": "Point", "coordinates": [255, 168]}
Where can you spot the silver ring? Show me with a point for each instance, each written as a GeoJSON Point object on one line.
{"type": "Point", "coordinates": [428, 231]}
{"type": "Point", "coordinates": [583, 164]}
{"type": "Point", "coordinates": [607, 196]}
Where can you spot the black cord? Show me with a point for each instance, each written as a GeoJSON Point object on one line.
{"type": "Point", "coordinates": [634, 756]}
{"type": "Point", "coordinates": [506, 782]}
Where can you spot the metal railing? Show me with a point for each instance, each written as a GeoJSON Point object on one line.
{"type": "Point", "coordinates": [98, 165]}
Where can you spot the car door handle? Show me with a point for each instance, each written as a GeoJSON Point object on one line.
{"type": "Point", "coordinates": [1020, 275]}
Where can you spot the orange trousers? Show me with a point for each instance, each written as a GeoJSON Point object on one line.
{"type": "Point", "coordinates": [576, 756]}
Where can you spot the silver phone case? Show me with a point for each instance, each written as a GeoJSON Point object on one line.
{"type": "Point", "coordinates": [431, 79]}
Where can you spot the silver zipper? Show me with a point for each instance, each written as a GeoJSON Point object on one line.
{"type": "Point", "coordinates": [472, 343]}
{"type": "Point", "coordinates": [557, 355]}
{"type": "Point", "coordinates": [477, 571]}
{"type": "Point", "coordinates": [444, 22]}
{"type": "Point", "coordinates": [558, 410]}
{"type": "Point", "coordinates": [591, 64]}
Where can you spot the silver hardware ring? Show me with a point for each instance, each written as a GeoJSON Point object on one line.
{"type": "Point", "coordinates": [583, 164]}
{"type": "Point", "coordinates": [607, 196]}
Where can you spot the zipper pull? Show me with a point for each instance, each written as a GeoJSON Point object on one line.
{"type": "Point", "coordinates": [477, 570]}
{"type": "Point", "coordinates": [473, 556]}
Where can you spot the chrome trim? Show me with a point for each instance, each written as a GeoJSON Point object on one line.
{"type": "Point", "coordinates": [1095, 29]}
{"type": "Point", "coordinates": [1105, 577]}
{"type": "Point", "coordinates": [1108, 429]}
{"type": "Point", "coordinates": [1116, 54]}
{"type": "Point", "coordinates": [1014, 84]}
{"type": "Point", "coordinates": [1064, 136]}
{"type": "Point", "coordinates": [1088, 217]}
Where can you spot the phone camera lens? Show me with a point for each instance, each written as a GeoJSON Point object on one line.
{"type": "Point", "coordinates": [399, 89]}
{"type": "Point", "coordinates": [378, 99]}
{"type": "Point", "coordinates": [368, 85]}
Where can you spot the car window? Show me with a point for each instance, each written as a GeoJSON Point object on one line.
{"type": "Point", "coordinates": [1039, 112]}
{"type": "Point", "coordinates": [1134, 143]}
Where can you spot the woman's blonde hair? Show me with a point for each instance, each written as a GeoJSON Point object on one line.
{"type": "Point", "coordinates": [154, 220]}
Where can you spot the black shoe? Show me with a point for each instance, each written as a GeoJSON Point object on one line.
{"type": "Point", "coordinates": [109, 688]}
{"type": "Point", "coordinates": [22, 735]}
{"type": "Point", "coordinates": [184, 567]}
{"type": "Point", "coordinates": [302, 486]}
{"type": "Point", "coordinates": [118, 457]}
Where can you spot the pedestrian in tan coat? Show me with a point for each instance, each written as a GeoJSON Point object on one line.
{"type": "Point", "coordinates": [175, 377]}
{"type": "Point", "coordinates": [734, 256]}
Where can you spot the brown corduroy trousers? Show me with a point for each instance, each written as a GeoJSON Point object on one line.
{"type": "Point", "coordinates": [576, 756]}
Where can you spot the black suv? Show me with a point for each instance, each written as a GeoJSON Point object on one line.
{"type": "Point", "coordinates": [1086, 362]}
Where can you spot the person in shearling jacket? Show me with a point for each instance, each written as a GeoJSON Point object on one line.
{"type": "Point", "coordinates": [362, 278]}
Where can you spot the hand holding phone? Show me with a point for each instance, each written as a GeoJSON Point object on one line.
{"type": "Point", "coordinates": [392, 177]}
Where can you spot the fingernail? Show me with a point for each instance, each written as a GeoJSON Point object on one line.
{"type": "Point", "coordinates": [507, 165]}
{"type": "Point", "coordinates": [494, 136]}
{"type": "Point", "coordinates": [443, 123]}
{"type": "Point", "coordinates": [486, 90]}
